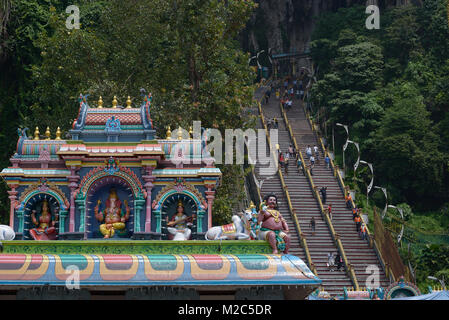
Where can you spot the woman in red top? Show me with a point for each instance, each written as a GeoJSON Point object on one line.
{"type": "Point", "coordinates": [281, 159]}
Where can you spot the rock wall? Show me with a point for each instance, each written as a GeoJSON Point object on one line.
{"type": "Point", "coordinates": [287, 25]}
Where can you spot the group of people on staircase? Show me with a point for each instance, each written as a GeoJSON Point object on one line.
{"type": "Point", "coordinates": [356, 212]}
{"type": "Point", "coordinates": [313, 155]}
{"type": "Point", "coordinates": [292, 88]}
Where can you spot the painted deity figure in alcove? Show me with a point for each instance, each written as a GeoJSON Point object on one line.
{"type": "Point", "coordinates": [179, 225]}
{"type": "Point", "coordinates": [44, 224]}
{"type": "Point", "coordinates": [112, 216]}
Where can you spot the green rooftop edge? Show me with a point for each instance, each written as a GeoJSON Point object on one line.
{"type": "Point", "coordinates": [136, 247]}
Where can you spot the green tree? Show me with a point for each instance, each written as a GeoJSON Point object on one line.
{"type": "Point", "coordinates": [432, 260]}
{"type": "Point", "coordinates": [184, 52]}
{"type": "Point", "coordinates": [360, 66]}
{"type": "Point", "coordinates": [407, 149]}
{"type": "Point", "coordinates": [434, 29]}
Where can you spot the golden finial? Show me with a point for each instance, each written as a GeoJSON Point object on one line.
{"type": "Point", "coordinates": [251, 205]}
{"type": "Point", "coordinates": [36, 134]}
{"type": "Point", "coordinates": [47, 133]}
{"type": "Point", "coordinates": [114, 102]}
{"type": "Point", "coordinates": [168, 133]}
{"type": "Point", "coordinates": [58, 134]}
{"type": "Point", "coordinates": [190, 132]}
{"type": "Point", "coordinates": [179, 133]}
{"type": "Point", "coordinates": [100, 103]}
{"type": "Point", "coordinates": [128, 103]}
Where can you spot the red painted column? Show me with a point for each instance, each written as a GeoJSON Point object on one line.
{"type": "Point", "coordinates": [13, 199]}
{"type": "Point", "coordinates": [148, 178]}
{"type": "Point", "coordinates": [210, 196]}
{"type": "Point", "coordinates": [73, 185]}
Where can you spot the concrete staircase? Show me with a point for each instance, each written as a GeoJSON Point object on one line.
{"type": "Point", "coordinates": [272, 184]}
{"type": "Point", "coordinates": [306, 207]}
{"type": "Point", "coordinates": [358, 252]}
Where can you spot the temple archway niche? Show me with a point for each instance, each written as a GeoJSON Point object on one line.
{"type": "Point", "coordinates": [96, 185]}
{"type": "Point", "coordinates": [169, 208]}
{"type": "Point", "coordinates": [166, 205]}
{"type": "Point", "coordinates": [34, 203]}
{"type": "Point", "coordinates": [101, 190]}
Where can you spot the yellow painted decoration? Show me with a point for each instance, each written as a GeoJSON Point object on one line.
{"type": "Point", "coordinates": [114, 102]}
{"type": "Point", "coordinates": [58, 133]}
{"type": "Point", "coordinates": [36, 134]}
{"type": "Point", "coordinates": [128, 103]}
{"type": "Point", "coordinates": [100, 103]}
{"type": "Point", "coordinates": [47, 133]}
{"type": "Point", "coordinates": [151, 163]}
{"type": "Point", "coordinates": [179, 133]}
{"type": "Point", "coordinates": [190, 132]}
{"type": "Point", "coordinates": [168, 133]}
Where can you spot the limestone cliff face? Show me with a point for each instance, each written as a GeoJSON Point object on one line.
{"type": "Point", "coordinates": [287, 25]}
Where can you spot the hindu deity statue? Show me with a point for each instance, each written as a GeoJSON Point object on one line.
{"type": "Point", "coordinates": [274, 229]}
{"type": "Point", "coordinates": [112, 215]}
{"type": "Point", "coordinates": [179, 224]}
{"type": "Point", "coordinates": [45, 225]}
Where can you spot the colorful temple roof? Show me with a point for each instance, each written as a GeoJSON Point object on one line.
{"type": "Point", "coordinates": [169, 269]}
{"type": "Point", "coordinates": [116, 124]}
{"type": "Point", "coordinates": [106, 132]}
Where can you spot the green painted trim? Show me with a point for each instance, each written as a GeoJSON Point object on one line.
{"type": "Point", "coordinates": [200, 220]}
{"type": "Point", "coordinates": [136, 247]}
{"type": "Point", "coordinates": [20, 216]}
{"type": "Point", "coordinates": [62, 216]}
{"type": "Point", "coordinates": [138, 210]}
{"type": "Point", "coordinates": [157, 215]}
{"type": "Point", "coordinates": [80, 204]}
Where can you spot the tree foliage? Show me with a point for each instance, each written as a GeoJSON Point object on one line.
{"type": "Point", "coordinates": [390, 88]}
{"type": "Point", "coordinates": [184, 52]}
